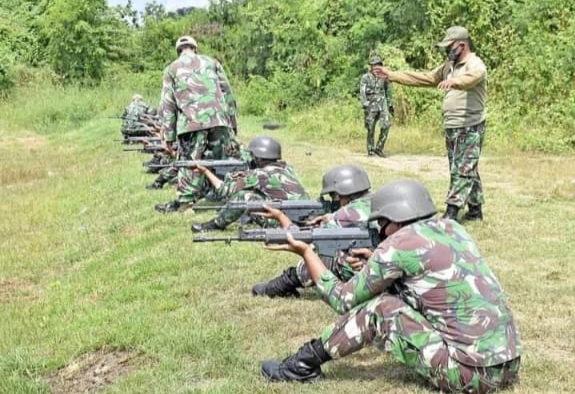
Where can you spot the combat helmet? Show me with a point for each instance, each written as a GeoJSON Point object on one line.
{"type": "Point", "coordinates": [401, 201]}
{"type": "Point", "coordinates": [375, 60]}
{"type": "Point", "coordinates": [264, 147]}
{"type": "Point", "coordinates": [185, 40]}
{"type": "Point", "coordinates": [345, 180]}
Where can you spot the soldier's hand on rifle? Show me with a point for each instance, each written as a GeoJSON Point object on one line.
{"type": "Point", "coordinates": [318, 220]}
{"type": "Point", "coordinates": [358, 257]}
{"type": "Point", "coordinates": [381, 72]}
{"type": "Point", "coordinates": [201, 169]}
{"type": "Point", "coordinates": [292, 245]}
{"type": "Point", "coordinates": [273, 213]}
{"type": "Point", "coordinates": [169, 148]}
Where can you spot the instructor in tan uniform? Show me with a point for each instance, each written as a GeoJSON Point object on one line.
{"type": "Point", "coordinates": [463, 77]}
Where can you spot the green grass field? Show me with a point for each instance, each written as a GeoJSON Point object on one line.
{"type": "Point", "coordinates": [99, 290]}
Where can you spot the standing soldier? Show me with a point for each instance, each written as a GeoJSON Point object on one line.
{"type": "Point", "coordinates": [376, 100]}
{"type": "Point", "coordinates": [463, 77]}
{"type": "Point", "coordinates": [194, 109]}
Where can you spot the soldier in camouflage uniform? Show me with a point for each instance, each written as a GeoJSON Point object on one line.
{"type": "Point", "coordinates": [131, 126]}
{"type": "Point", "coordinates": [425, 295]}
{"type": "Point", "coordinates": [167, 175]}
{"type": "Point", "coordinates": [463, 77]}
{"type": "Point", "coordinates": [349, 186]}
{"type": "Point", "coordinates": [269, 179]}
{"type": "Point", "coordinates": [194, 108]}
{"type": "Point", "coordinates": [377, 103]}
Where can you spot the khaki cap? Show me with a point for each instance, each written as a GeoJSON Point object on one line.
{"type": "Point", "coordinates": [454, 33]}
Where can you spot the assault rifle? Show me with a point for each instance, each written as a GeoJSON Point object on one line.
{"type": "Point", "coordinates": [328, 241]}
{"type": "Point", "coordinates": [139, 140]}
{"type": "Point", "coordinates": [219, 167]}
{"type": "Point", "coordinates": [146, 149]}
{"type": "Point", "coordinates": [298, 211]}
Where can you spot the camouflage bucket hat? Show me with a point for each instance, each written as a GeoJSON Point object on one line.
{"type": "Point", "coordinates": [454, 33]}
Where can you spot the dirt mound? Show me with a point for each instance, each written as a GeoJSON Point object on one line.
{"type": "Point", "coordinates": [93, 371]}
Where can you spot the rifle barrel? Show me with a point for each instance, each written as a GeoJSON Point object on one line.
{"type": "Point", "coordinates": [228, 239]}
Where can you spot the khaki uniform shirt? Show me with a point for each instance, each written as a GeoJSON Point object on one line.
{"type": "Point", "coordinates": [464, 105]}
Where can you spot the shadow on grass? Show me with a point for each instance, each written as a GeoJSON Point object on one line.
{"type": "Point", "coordinates": [356, 368]}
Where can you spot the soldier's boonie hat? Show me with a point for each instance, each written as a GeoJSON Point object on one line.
{"type": "Point", "coordinates": [375, 60]}
{"type": "Point", "coordinates": [137, 97]}
{"type": "Point", "coordinates": [454, 33]}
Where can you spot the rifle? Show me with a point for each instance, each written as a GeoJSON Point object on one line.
{"type": "Point", "coordinates": [219, 167]}
{"type": "Point", "coordinates": [135, 140]}
{"type": "Point", "coordinates": [328, 241]}
{"type": "Point", "coordinates": [298, 211]}
{"type": "Point", "coordinates": [146, 149]}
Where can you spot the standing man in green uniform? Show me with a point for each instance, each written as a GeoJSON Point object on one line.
{"type": "Point", "coordinates": [376, 100]}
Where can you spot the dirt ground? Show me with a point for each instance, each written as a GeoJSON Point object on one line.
{"type": "Point", "coordinates": [92, 372]}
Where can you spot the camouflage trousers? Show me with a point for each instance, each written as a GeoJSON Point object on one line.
{"type": "Point", "coordinates": [338, 266]}
{"type": "Point", "coordinates": [393, 326]}
{"type": "Point", "coordinates": [463, 150]}
{"type": "Point", "coordinates": [217, 143]}
{"type": "Point", "coordinates": [372, 115]}
{"type": "Point", "coordinates": [228, 216]}
{"type": "Point", "coordinates": [169, 175]}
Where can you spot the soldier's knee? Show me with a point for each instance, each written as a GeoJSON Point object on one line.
{"type": "Point", "coordinates": [386, 304]}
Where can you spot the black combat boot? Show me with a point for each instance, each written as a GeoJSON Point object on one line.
{"type": "Point", "coordinates": [150, 170]}
{"type": "Point", "coordinates": [474, 213]}
{"type": "Point", "coordinates": [304, 366]}
{"type": "Point", "coordinates": [172, 206]}
{"type": "Point", "coordinates": [451, 212]}
{"type": "Point", "coordinates": [379, 153]}
{"type": "Point", "coordinates": [157, 184]}
{"type": "Point", "coordinates": [207, 226]}
{"type": "Point", "coordinates": [284, 285]}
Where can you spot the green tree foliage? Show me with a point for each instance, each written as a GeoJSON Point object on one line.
{"type": "Point", "coordinates": [82, 36]}
{"type": "Point", "coordinates": [288, 54]}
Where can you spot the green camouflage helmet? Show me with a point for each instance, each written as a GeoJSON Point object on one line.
{"type": "Point", "coordinates": [346, 180]}
{"type": "Point", "coordinates": [264, 147]}
{"type": "Point", "coordinates": [375, 60]}
{"type": "Point", "coordinates": [185, 40]}
{"type": "Point", "coordinates": [401, 201]}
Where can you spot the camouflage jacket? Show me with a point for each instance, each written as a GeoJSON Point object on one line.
{"type": "Point", "coordinates": [436, 268]}
{"type": "Point", "coordinates": [353, 214]}
{"type": "Point", "coordinates": [374, 92]}
{"type": "Point", "coordinates": [275, 181]}
{"type": "Point", "coordinates": [135, 109]}
{"type": "Point", "coordinates": [195, 96]}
